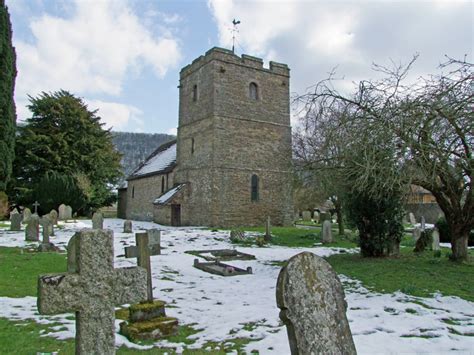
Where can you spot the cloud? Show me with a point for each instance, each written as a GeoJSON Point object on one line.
{"type": "Point", "coordinates": [314, 37]}
{"type": "Point", "coordinates": [116, 115]}
{"type": "Point", "coordinates": [92, 51]}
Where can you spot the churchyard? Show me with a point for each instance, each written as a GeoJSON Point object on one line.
{"type": "Point", "coordinates": [414, 303]}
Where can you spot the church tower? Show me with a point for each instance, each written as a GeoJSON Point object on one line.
{"type": "Point", "coordinates": [234, 142]}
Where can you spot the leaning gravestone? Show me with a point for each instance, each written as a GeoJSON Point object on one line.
{"type": "Point", "coordinates": [26, 215]}
{"type": "Point", "coordinates": [32, 228]}
{"type": "Point", "coordinates": [54, 217]}
{"type": "Point", "coordinates": [68, 212]}
{"type": "Point", "coordinates": [306, 216]}
{"type": "Point", "coordinates": [62, 212]}
{"type": "Point", "coordinates": [326, 232]}
{"type": "Point", "coordinates": [127, 226]}
{"type": "Point", "coordinates": [15, 221]}
{"type": "Point", "coordinates": [312, 306]}
{"type": "Point", "coordinates": [97, 221]}
{"type": "Point", "coordinates": [412, 218]}
{"type": "Point", "coordinates": [93, 291]}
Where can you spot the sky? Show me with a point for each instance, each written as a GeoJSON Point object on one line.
{"type": "Point", "coordinates": [123, 57]}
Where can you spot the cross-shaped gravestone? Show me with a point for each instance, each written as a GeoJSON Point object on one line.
{"type": "Point", "coordinates": [35, 205]}
{"type": "Point", "coordinates": [92, 291]}
{"type": "Point", "coordinates": [142, 251]}
{"type": "Point", "coordinates": [154, 240]}
{"type": "Point", "coordinates": [312, 306]}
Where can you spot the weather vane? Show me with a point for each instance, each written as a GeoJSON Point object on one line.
{"type": "Point", "coordinates": [234, 30]}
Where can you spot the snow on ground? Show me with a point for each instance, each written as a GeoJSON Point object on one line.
{"type": "Point", "coordinates": [223, 306]}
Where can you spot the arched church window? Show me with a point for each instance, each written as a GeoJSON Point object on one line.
{"type": "Point", "coordinates": [195, 93]}
{"type": "Point", "coordinates": [253, 91]}
{"type": "Point", "coordinates": [254, 188]}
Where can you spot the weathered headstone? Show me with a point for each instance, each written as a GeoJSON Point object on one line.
{"type": "Point", "coordinates": [32, 228]}
{"type": "Point", "coordinates": [316, 217]}
{"type": "Point", "coordinates": [97, 221]}
{"type": "Point", "coordinates": [15, 221]}
{"type": "Point", "coordinates": [93, 291]}
{"type": "Point", "coordinates": [312, 306]}
{"type": "Point", "coordinates": [154, 246]}
{"type": "Point", "coordinates": [326, 232]}
{"type": "Point", "coordinates": [54, 217]}
{"type": "Point", "coordinates": [47, 225]}
{"type": "Point", "coordinates": [268, 230]}
{"type": "Point", "coordinates": [127, 226]}
{"type": "Point", "coordinates": [435, 242]}
{"type": "Point", "coordinates": [237, 235]}
{"type": "Point", "coordinates": [412, 218]}
{"type": "Point", "coordinates": [68, 212]}
{"type": "Point", "coordinates": [422, 223]}
{"type": "Point", "coordinates": [26, 215]}
{"type": "Point", "coordinates": [62, 212]}
{"type": "Point", "coordinates": [416, 233]}
{"type": "Point", "coordinates": [36, 205]}
{"type": "Point", "coordinates": [306, 216]}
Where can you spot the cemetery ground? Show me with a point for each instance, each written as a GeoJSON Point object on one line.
{"type": "Point", "coordinates": [414, 303]}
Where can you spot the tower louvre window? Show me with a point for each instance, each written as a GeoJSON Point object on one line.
{"type": "Point", "coordinates": [253, 91]}
{"type": "Point", "coordinates": [254, 188]}
{"type": "Point", "coordinates": [192, 145]}
{"type": "Point", "coordinates": [162, 184]}
{"type": "Point", "coordinates": [195, 93]}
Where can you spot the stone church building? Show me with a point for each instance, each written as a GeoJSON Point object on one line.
{"type": "Point", "coordinates": [231, 163]}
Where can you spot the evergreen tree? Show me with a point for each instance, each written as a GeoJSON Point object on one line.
{"type": "Point", "coordinates": [7, 105]}
{"type": "Point", "coordinates": [65, 137]}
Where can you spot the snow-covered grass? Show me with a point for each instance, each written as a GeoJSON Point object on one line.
{"type": "Point", "coordinates": [226, 308]}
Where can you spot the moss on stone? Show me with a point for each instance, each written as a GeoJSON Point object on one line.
{"type": "Point", "coordinates": [155, 328]}
{"type": "Point", "coordinates": [146, 306]}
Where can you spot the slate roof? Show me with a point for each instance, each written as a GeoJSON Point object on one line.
{"type": "Point", "coordinates": [163, 199]}
{"type": "Point", "coordinates": [161, 161]}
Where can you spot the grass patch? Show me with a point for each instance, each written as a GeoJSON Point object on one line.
{"type": "Point", "coordinates": [20, 270]}
{"type": "Point", "coordinates": [417, 275]}
{"type": "Point", "coordinates": [297, 237]}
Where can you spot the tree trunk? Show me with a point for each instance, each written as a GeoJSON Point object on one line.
{"type": "Point", "coordinates": [340, 222]}
{"type": "Point", "coordinates": [459, 245]}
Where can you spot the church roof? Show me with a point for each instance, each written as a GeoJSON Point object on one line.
{"type": "Point", "coordinates": [163, 199]}
{"type": "Point", "coordinates": [161, 161]}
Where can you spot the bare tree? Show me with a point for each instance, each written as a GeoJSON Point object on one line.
{"type": "Point", "coordinates": [419, 133]}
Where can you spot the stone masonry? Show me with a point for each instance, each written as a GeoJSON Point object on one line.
{"type": "Point", "coordinates": [225, 136]}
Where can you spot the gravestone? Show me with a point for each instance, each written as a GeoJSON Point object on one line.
{"type": "Point", "coordinates": [62, 212]}
{"type": "Point", "coordinates": [36, 205]}
{"type": "Point", "coordinates": [15, 221]}
{"type": "Point", "coordinates": [306, 216]}
{"type": "Point", "coordinates": [435, 242]}
{"type": "Point", "coordinates": [92, 291]}
{"type": "Point", "coordinates": [26, 215]}
{"type": "Point", "coordinates": [47, 225]}
{"type": "Point", "coordinates": [316, 217]}
{"type": "Point", "coordinates": [326, 232]}
{"type": "Point", "coordinates": [68, 212]}
{"type": "Point", "coordinates": [312, 306]}
{"type": "Point", "coordinates": [237, 235]}
{"type": "Point", "coordinates": [416, 233]}
{"type": "Point", "coordinates": [268, 230]}
{"type": "Point", "coordinates": [97, 221]}
{"type": "Point", "coordinates": [412, 218]}
{"type": "Point", "coordinates": [127, 226]}
{"type": "Point", "coordinates": [32, 228]}
{"type": "Point", "coordinates": [422, 223]}
{"type": "Point", "coordinates": [154, 240]}
{"type": "Point", "coordinates": [54, 217]}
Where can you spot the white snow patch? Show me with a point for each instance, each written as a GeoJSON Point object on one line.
{"type": "Point", "coordinates": [222, 306]}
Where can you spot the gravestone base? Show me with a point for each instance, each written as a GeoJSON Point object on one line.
{"type": "Point", "coordinates": [148, 321]}
{"type": "Point", "coordinates": [221, 254]}
{"type": "Point", "coordinates": [152, 329]}
{"type": "Point", "coordinates": [47, 247]}
{"type": "Point", "coordinates": [221, 269]}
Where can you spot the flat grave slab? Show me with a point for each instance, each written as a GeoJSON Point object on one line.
{"type": "Point", "coordinates": [221, 254]}
{"type": "Point", "coordinates": [218, 268]}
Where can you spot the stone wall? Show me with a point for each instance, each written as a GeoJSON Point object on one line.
{"type": "Point", "coordinates": [225, 136]}
{"type": "Point", "coordinates": [142, 192]}
{"type": "Point", "coordinates": [430, 211]}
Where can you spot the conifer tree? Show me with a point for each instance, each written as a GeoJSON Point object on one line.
{"type": "Point", "coordinates": [7, 105]}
